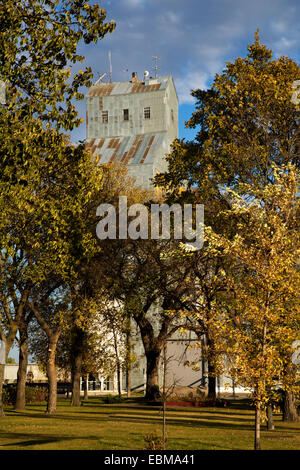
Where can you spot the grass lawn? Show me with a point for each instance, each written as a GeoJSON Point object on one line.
{"type": "Point", "coordinates": [122, 426]}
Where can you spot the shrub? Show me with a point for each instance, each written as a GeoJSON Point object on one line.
{"type": "Point", "coordinates": [32, 394]}
{"type": "Point", "coordinates": [153, 442]}
{"type": "Point", "coordinates": [110, 399]}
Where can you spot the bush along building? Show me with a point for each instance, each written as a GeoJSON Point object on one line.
{"type": "Point", "coordinates": [135, 122]}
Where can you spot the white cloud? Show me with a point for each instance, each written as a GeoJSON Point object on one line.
{"type": "Point", "coordinates": [193, 38]}
{"type": "Point", "coordinates": [192, 80]}
{"type": "Point", "coordinates": [134, 3]}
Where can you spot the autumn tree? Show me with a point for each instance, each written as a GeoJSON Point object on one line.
{"type": "Point", "coordinates": [39, 45]}
{"type": "Point", "coordinates": [45, 232]}
{"type": "Point", "coordinates": [246, 121]}
{"type": "Point", "coordinates": [91, 275]}
{"type": "Point", "coordinates": [261, 313]}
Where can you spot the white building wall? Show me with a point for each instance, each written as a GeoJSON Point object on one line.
{"type": "Point", "coordinates": [163, 105]}
{"type": "Point", "coordinates": [11, 371]}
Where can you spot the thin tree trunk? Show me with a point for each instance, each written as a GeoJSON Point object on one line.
{"type": "Point", "coordinates": [2, 366]}
{"type": "Point", "coordinates": [117, 361]}
{"type": "Point", "coordinates": [3, 360]}
{"type": "Point", "coordinates": [20, 402]}
{"type": "Point", "coordinates": [164, 397]}
{"type": "Point", "coordinates": [257, 426]}
{"type": "Point", "coordinates": [270, 418]}
{"type": "Point", "coordinates": [128, 360]}
{"type": "Point", "coordinates": [86, 387]}
{"type": "Point", "coordinates": [77, 352]}
{"type": "Point", "coordinates": [119, 379]}
{"type": "Point", "coordinates": [52, 379]}
{"type": "Point", "coordinates": [128, 380]}
{"type": "Point", "coordinates": [269, 412]}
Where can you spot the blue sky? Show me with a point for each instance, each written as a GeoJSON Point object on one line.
{"type": "Point", "coordinates": [192, 38]}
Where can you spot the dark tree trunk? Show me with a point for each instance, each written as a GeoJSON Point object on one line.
{"type": "Point", "coordinates": [77, 353]}
{"type": "Point", "coordinates": [2, 366]}
{"type": "Point", "coordinates": [270, 418]}
{"type": "Point", "coordinates": [152, 385]}
{"type": "Point", "coordinates": [153, 346]}
{"type": "Point", "coordinates": [86, 387]}
{"type": "Point", "coordinates": [289, 407]}
{"type": "Point", "coordinates": [3, 360]}
{"type": "Point", "coordinates": [76, 401]}
{"type": "Point", "coordinates": [22, 370]}
{"type": "Point", "coordinates": [128, 360]}
{"type": "Point", "coordinates": [211, 393]}
{"type": "Point", "coordinates": [257, 426]}
{"type": "Point", "coordinates": [117, 362]}
{"type": "Point", "coordinates": [119, 379]}
{"type": "Point", "coordinates": [211, 369]}
{"type": "Point", "coordinates": [52, 379]}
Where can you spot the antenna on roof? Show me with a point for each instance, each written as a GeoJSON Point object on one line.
{"type": "Point", "coordinates": [155, 57]}
{"type": "Point", "coordinates": [100, 78]}
{"type": "Point", "coordinates": [110, 67]}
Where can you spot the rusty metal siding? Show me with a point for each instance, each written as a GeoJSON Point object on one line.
{"type": "Point", "coordinates": [138, 142]}
{"type": "Point", "coordinates": [124, 88]}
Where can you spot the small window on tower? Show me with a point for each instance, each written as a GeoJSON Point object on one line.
{"type": "Point", "coordinates": [126, 114]}
{"type": "Point", "coordinates": [104, 116]}
{"type": "Point", "coordinates": [147, 112]}
{"type": "Point", "coordinates": [172, 115]}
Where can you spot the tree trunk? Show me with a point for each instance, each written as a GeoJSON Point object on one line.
{"type": "Point", "coordinates": [289, 407]}
{"type": "Point", "coordinates": [22, 370]}
{"type": "Point", "coordinates": [211, 393]}
{"type": "Point", "coordinates": [52, 380]}
{"type": "Point", "coordinates": [77, 352]}
{"type": "Point", "coordinates": [270, 418]}
{"type": "Point", "coordinates": [86, 387]}
{"type": "Point", "coordinates": [257, 426]}
{"type": "Point", "coordinates": [153, 346]}
{"type": "Point", "coordinates": [164, 396]}
{"type": "Point", "coordinates": [2, 366]}
{"type": "Point", "coordinates": [128, 360]}
{"type": "Point", "coordinates": [211, 368]}
{"type": "Point", "coordinates": [152, 386]}
{"type": "Point", "coordinates": [128, 380]}
{"type": "Point", "coordinates": [76, 401]}
{"type": "Point", "coordinates": [119, 378]}
{"type": "Point", "coordinates": [3, 359]}
{"type": "Point", "coordinates": [117, 361]}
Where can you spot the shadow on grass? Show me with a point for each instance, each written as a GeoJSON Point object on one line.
{"type": "Point", "coordinates": [31, 439]}
{"type": "Point", "coordinates": [196, 423]}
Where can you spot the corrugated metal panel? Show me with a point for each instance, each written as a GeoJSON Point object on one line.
{"type": "Point", "coordinates": [124, 88]}
{"type": "Point", "coordinates": [138, 149]}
